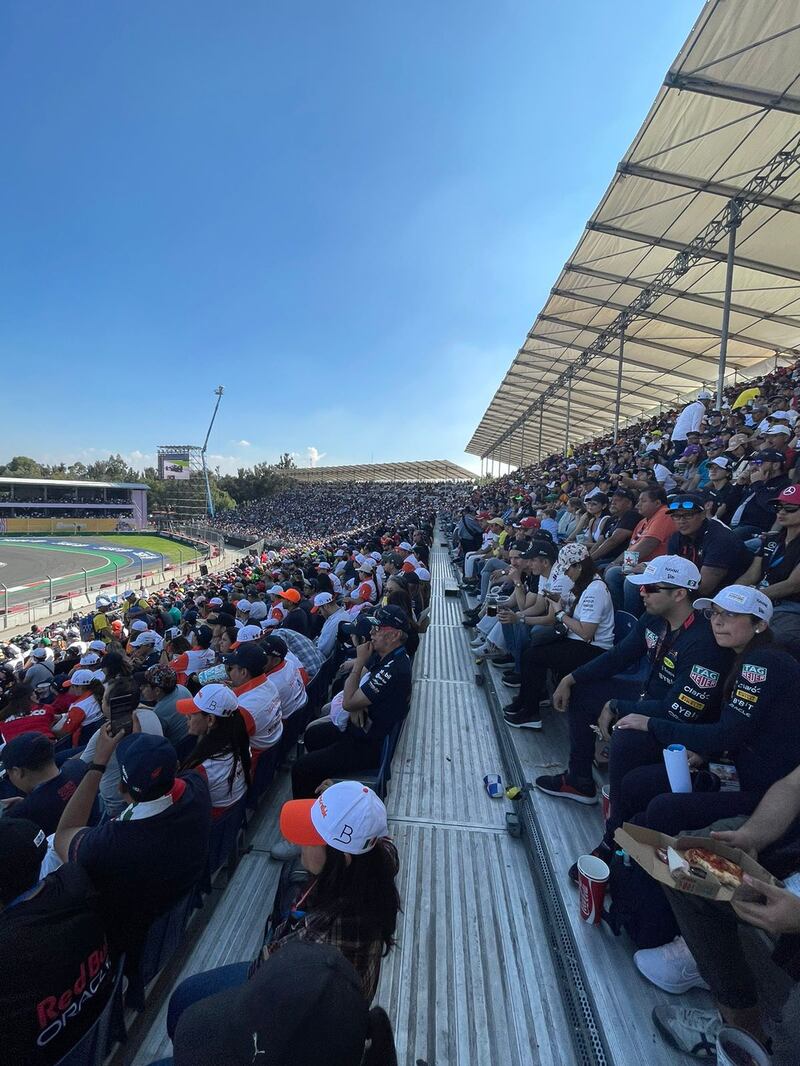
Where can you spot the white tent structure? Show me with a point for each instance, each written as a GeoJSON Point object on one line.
{"type": "Point", "coordinates": [688, 272]}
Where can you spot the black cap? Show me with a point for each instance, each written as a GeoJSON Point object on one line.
{"type": "Point", "coordinates": [392, 616]}
{"type": "Point", "coordinates": [250, 656]}
{"type": "Point", "coordinates": [23, 846]}
{"type": "Point", "coordinates": [680, 502]}
{"type": "Point", "coordinates": [541, 549]}
{"type": "Point", "coordinates": [766, 456]}
{"type": "Point", "coordinates": [303, 1005]}
{"type": "Point", "coordinates": [273, 645]}
{"type": "Point", "coordinates": [28, 751]}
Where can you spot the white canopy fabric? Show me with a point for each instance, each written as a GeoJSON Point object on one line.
{"type": "Point", "coordinates": [430, 470]}
{"type": "Point", "coordinates": [729, 109]}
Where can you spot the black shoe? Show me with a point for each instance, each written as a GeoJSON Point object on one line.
{"type": "Point", "coordinates": [512, 680]}
{"type": "Point", "coordinates": [602, 851]}
{"type": "Point", "coordinates": [513, 707]}
{"type": "Point", "coordinates": [469, 623]}
{"type": "Point", "coordinates": [502, 660]}
{"type": "Point", "coordinates": [523, 720]}
{"type": "Point", "coordinates": [561, 786]}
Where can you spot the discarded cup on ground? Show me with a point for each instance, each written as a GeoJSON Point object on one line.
{"type": "Point", "coordinates": [677, 763]}
{"type": "Point", "coordinates": [735, 1047]}
{"type": "Point", "coordinates": [605, 801]}
{"type": "Point", "coordinates": [593, 876]}
{"type": "Point", "coordinates": [494, 785]}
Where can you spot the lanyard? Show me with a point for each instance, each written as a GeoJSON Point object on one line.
{"type": "Point", "coordinates": [665, 642]}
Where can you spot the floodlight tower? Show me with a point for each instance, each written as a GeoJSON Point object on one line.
{"type": "Point", "coordinates": [218, 391]}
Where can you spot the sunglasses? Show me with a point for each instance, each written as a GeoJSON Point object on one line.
{"type": "Point", "coordinates": [788, 508]}
{"type": "Point", "coordinates": [648, 590]}
{"type": "Point", "coordinates": [683, 505]}
{"type": "Point", "coordinates": [716, 612]}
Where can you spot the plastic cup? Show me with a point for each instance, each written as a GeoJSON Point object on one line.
{"type": "Point", "coordinates": [593, 876]}
{"type": "Point", "coordinates": [735, 1047]}
{"type": "Point", "coordinates": [605, 801]}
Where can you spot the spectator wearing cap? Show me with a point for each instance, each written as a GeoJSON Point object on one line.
{"type": "Point", "coordinates": [332, 613]}
{"type": "Point", "coordinates": [285, 673]}
{"type": "Point", "coordinates": [754, 513]}
{"type": "Point", "coordinates": [689, 421]}
{"type": "Point", "coordinates": [375, 703]}
{"type": "Point", "coordinates": [160, 689]}
{"type": "Point", "coordinates": [86, 710]}
{"type": "Point", "coordinates": [617, 532]}
{"type": "Point", "coordinates": [720, 490]}
{"type": "Point", "coordinates": [101, 623]}
{"type": "Point", "coordinates": [718, 554]}
{"type": "Point", "coordinates": [40, 670]}
{"type": "Point", "coordinates": [125, 694]}
{"type": "Point", "coordinates": [222, 751]}
{"type": "Point", "coordinates": [348, 903]}
{"type": "Point", "coordinates": [196, 656]}
{"type": "Point", "coordinates": [294, 616]}
{"type": "Point", "coordinates": [776, 569]}
{"type": "Point", "coordinates": [258, 698]}
{"type": "Point", "coordinates": [587, 621]}
{"type": "Point", "coordinates": [148, 858]}
{"type": "Point", "coordinates": [147, 649]}
{"type": "Point", "coordinates": [365, 594]}
{"type": "Point", "coordinates": [491, 532]}
{"type": "Point", "coordinates": [53, 951]}
{"type": "Point", "coordinates": [269, 1013]}
{"type": "Point", "coordinates": [133, 602]}
{"type": "Point", "coordinates": [738, 451]}
{"type": "Point", "coordinates": [29, 763]}
{"type": "Point", "coordinates": [689, 478]}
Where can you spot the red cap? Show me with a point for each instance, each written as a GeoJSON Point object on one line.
{"type": "Point", "coordinates": [791, 494]}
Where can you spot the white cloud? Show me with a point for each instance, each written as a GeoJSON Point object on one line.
{"type": "Point", "coordinates": [313, 455]}
{"type": "Point", "coordinates": [241, 443]}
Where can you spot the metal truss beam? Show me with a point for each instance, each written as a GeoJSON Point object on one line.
{"type": "Point", "coordinates": [676, 246]}
{"type": "Point", "coordinates": [711, 331]}
{"type": "Point", "coordinates": [681, 294]}
{"type": "Point", "coordinates": [593, 375]}
{"type": "Point", "coordinates": [715, 188]}
{"type": "Point", "coordinates": [658, 371]}
{"type": "Point", "coordinates": [742, 94]}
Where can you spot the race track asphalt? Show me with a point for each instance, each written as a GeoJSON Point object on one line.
{"type": "Point", "coordinates": [24, 568]}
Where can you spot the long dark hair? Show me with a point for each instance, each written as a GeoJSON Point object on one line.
{"type": "Point", "coordinates": [364, 887]}
{"type": "Point", "coordinates": [228, 737]}
{"type": "Point", "coordinates": [759, 640]}
{"type": "Point", "coordinates": [585, 578]}
{"type": "Point", "coordinates": [380, 1050]}
{"type": "Point", "coordinates": [18, 701]}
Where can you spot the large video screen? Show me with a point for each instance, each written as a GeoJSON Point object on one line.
{"type": "Point", "coordinates": [174, 466]}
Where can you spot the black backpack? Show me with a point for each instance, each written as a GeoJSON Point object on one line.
{"type": "Point", "coordinates": [638, 905]}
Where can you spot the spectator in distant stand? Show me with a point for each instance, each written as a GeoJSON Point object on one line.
{"type": "Point", "coordinates": [617, 532]}
{"type": "Point", "coordinates": [40, 669]}
{"type": "Point", "coordinates": [21, 713]}
{"type": "Point", "coordinates": [332, 614]}
{"type": "Point", "coordinates": [690, 419]}
{"type": "Point", "coordinates": [754, 513]}
{"type": "Point", "coordinates": [720, 491]}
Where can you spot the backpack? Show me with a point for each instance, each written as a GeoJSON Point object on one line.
{"type": "Point", "coordinates": [86, 627]}
{"type": "Point", "coordinates": [638, 905]}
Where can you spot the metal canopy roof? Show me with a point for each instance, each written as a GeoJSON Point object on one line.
{"type": "Point", "coordinates": [724, 127]}
{"type": "Point", "coordinates": [55, 483]}
{"type": "Point", "coordinates": [430, 470]}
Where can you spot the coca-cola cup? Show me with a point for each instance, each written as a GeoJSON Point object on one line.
{"type": "Point", "coordinates": [605, 801]}
{"type": "Point", "coordinates": [592, 880]}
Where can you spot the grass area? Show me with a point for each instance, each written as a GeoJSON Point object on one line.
{"type": "Point", "coordinates": [145, 542]}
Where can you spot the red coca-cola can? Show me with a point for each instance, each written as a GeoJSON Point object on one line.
{"type": "Point", "coordinates": [605, 801]}
{"type": "Point", "coordinates": [592, 880]}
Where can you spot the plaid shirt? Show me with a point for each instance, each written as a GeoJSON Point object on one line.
{"type": "Point", "coordinates": [311, 658]}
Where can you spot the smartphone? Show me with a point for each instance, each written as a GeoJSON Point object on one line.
{"type": "Point", "coordinates": [122, 708]}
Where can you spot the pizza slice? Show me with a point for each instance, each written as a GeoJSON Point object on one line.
{"type": "Point", "coordinates": [725, 871]}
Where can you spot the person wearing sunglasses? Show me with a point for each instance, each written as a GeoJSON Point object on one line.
{"type": "Point", "coordinates": [755, 513]}
{"type": "Point", "coordinates": [709, 544]}
{"type": "Point", "coordinates": [776, 568]}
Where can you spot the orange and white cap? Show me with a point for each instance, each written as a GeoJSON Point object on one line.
{"type": "Point", "coordinates": [348, 817]}
{"type": "Point", "coordinates": [218, 700]}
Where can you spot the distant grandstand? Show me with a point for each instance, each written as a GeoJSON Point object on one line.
{"type": "Point", "coordinates": [429, 470]}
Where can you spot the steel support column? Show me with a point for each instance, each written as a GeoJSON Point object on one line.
{"type": "Point", "coordinates": [522, 448]}
{"type": "Point", "coordinates": [541, 421]}
{"type": "Point", "coordinates": [618, 400]}
{"type": "Point", "coordinates": [569, 413]}
{"type": "Point", "coordinates": [735, 213]}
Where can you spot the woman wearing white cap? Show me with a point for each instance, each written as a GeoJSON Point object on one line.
{"type": "Point", "coordinates": [222, 751]}
{"type": "Point", "coordinates": [86, 710]}
{"type": "Point", "coordinates": [757, 726]}
{"type": "Point", "coordinates": [349, 901]}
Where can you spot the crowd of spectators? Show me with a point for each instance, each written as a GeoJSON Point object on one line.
{"type": "Point", "coordinates": [654, 580]}
{"type": "Point", "coordinates": [128, 736]}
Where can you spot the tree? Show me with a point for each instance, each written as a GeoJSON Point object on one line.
{"type": "Point", "coordinates": [22, 466]}
{"type": "Point", "coordinates": [286, 462]}
{"type": "Point", "coordinates": [112, 469]}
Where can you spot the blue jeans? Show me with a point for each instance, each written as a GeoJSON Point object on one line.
{"type": "Point", "coordinates": [201, 986]}
{"type": "Point", "coordinates": [486, 572]}
{"type": "Point", "coordinates": [519, 636]}
{"type": "Point", "coordinates": [624, 594]}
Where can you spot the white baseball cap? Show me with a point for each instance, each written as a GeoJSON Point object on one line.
{"type": "Point", "coordinates": [139, 626]}
{"type": "Point", "coordinates": [81, 677]}
{"type": "Point", "coordinates": [348, 817]}
{"type": "Point", "coordinates": [339, 553]}
{"type": "Point", "coordinates": [148, 637]}
{"type": "Point", "coordinates": [102, 601]}
{"type": "Point", "coordinates": [218, 700]}
{"type": "Point", "coordinates": [97, 645]}
{"type": "Point", "coordinates": [404, 546]}
{"type": "Point", "coordinates": [128, 594]}
{"type": "Point", "coordinates": [778, 428]}
{"type": "Point", "coordinates": [247, 633]}
{"type": "Point", "coordinates": [721, 461]}
{"type": "Point", "coordinates": [215, 601]}
{"type": "Point", "coordinates": [258, 611]}
{"type": "Point", "coordinates": [740, 599]}
{"type": "Point", "coordinates": [276, 590]}
{"type": "Point", "coordinates": [704, 394]}
{"type": "Point", "coordinates": [367, 567]}
{"type": "Point", "coordinates": [670, 569]}
{"type": "Point", "coordinates": [323, 565]}
{"type": "Point", "coordinates": [321, 599]}
{"type": "Point", "coordinates": [243, 606]}
{"type": "Point", "coordinates": [89, 659]}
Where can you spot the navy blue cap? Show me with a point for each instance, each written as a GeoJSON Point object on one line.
{"type": "Point", "coordinates": [250, 656]}
{"type": "Point", "coordinates": [28, 751]}
{"type": "Point", "coordinates": [147, 764]}
{"type": "Point", "coordinates": [273, 645]}
{"type": "Point", "coordinates": [392, 616]}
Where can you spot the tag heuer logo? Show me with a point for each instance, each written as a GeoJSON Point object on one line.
{"type": "Point", "coordinates": [703, 678]}
{"type": "Point", "coordinates": [756, 675]}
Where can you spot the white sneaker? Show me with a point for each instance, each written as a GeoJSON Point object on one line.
{"type": "Point", "coordinates": [283, 850]}
{"type": "Point", "coordinates": [670, 967]}
{"type": "Point", "coordinates": [694, 1032]}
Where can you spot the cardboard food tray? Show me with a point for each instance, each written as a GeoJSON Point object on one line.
{"type": "Point", "coordinates": [641, 845]}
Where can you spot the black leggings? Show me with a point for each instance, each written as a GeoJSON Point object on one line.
{"type": "Point", "coordinates": [562, 658]}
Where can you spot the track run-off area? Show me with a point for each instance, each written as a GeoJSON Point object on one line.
{"type": "Point", "coordinates": [29, 564]}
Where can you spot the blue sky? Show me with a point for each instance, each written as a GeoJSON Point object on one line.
{"type": "Point", "coordinates": [348, 214]}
